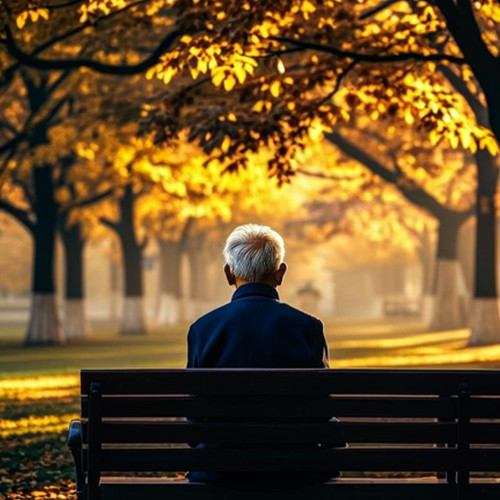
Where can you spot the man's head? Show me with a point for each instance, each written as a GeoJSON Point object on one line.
{"type": "Point", "coordinates": [254, 254]}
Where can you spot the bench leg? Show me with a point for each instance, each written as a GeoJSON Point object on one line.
{"type": "Point", "coordinates": [75, 445]}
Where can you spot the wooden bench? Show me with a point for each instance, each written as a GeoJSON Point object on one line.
{"type": "Point", "coordinates": [404, 425]}
{"type": "Point", "coordinates": [401, 306]}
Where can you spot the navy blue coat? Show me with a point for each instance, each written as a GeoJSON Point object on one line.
{"type": "Point", "coordinates": [256, 330]}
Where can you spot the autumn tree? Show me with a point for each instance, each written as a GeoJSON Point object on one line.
{"type": "Point", "coordinates": [79, 188]}
{"type": "Point", "coordinates": [410, 58]}
{"type": "Point", "coordinates": [45, 118]}
{"type": "Point", "coordinates": [428, 178]}
{"type": "Point", "coordinates": [50, 35]}
{"type": "Point", "coordinates": [290, 60]}
{"type": "Point", "coordinates": [37, 207]}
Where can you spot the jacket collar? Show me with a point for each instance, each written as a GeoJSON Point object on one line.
{"type": "Point", "coordinates": [259, 289]}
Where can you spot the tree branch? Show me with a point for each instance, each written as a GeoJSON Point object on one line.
{"type": "Point", "coordinates": [69, 3]}
{"type": "Point", "coordinates": [8, 158]}
{"type": "Point", "coordinates": [12, 143]}
{"type": "Point", "coordinates": [58, 81]}
{"type": "Point", "coordinates": [9, 72]}
{"type": "Point", "coordinates": [109, 224]}
{"type": "Point", "coordinates": [91, 200]}
{"type": "Point", "coordinates": [19, 214]}
{"type": "Point", "coordinates": [466, 34]}
{"type": "Point", "coordinates": [415, 195]}
{"type": "Point", "coordinates": [388, 58]}
{"type": "Point", "coordinates": [4, 123]}
{"type": "Point", "coordinates": [321, 175]}
{"type": "Point", "coordinates": [477, 107]}
{"type": "Point", "coordinates": [101, 67]}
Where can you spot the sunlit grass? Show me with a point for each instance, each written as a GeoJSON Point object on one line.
{"type": "Point", "coordinates": [44, 387]}
{"type": "Point", "coordinates": [435, 356]}
{"type": "Point", "coordinates": [434, 349]}
{"type": "Point", "coordinates": [35, 424]}
{"type": "Point", "coordinates": [407, 341]}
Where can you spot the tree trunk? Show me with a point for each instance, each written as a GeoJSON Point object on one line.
{"type": "Point", "coordinates": [44, 325]}
{"type": "Point", "coordinates": [76, 324]}
{"type": "Point", "coordinates": [133, 319]}
{"type": "Point", "coordinates": [449, 288]}
{"type": "Point", "coordinates": [426, 257]}
{"type": "Point", "coordinates": [115, 289]}
{"type": "Point", "coordinates": [485, 318]}
{"type": "Point", "coordinates": [170, 282]}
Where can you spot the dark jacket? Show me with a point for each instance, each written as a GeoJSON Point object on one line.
{"type": "Point", "coordinates": [256, 330]}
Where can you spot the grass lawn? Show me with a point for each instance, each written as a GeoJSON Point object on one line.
{"type": "Point", "coordinates": [39, 386]}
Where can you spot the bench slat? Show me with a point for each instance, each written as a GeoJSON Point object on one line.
{"type": "Point", "coordinates": [344, 489]}
{"type": "Point", "coordinates": [279, 433]}
{"type": "Point", "coordinates": [306, 381]}
{"type": "Point", "coordinates": [352, 432]}
{"type": "Point", "coordinates": [269, 459]}
{"type": "Point", "coordinates": [283, 406]}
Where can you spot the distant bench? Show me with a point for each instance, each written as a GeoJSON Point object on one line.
{"type": "Point", "coordinates": [401, 306]}
{"type": "Point", "coordinates": [411, 424]}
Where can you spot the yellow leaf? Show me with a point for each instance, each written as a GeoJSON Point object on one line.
{"type": "Point", "coordinates": [258, 106]}
{"type": "Point", "coordinates": [473, 145]}
{"type": "Point", "coordinates": [21, 19]}
{"type": "Point", "coordinates": [240, 73]}
{"type": "Point", "coordinates": [194, 72]}
{"type": "Point", "coordinates": [275, 88]}
{"type": "Point", "coordinates": [218, 77]}
{"type": "Point", "coordinates": [491, 145]}
{"type": "Point", "coordinates": [281, 67]}
{"type": "Point", "coordinates": [409, 119]}
{"type": "Point", "coordinates": [307, 6]}
{"type": "Point", "coordinates": [434, 137]}
{"type": "Point", "coordinates": [231, 117]}
{"type": "Point", "coordinates": [43, 13]}
{"type": "Point", "coordinates": [229, 82]}
{"type": "Point", "coordinates": [225, 144]}
{"type": "Point", "coordinates": [465, 138]}
{"type": "Point", "coordinates": [151, 72]}
{"type": "Point", "coordinates": [167, 75]}
{"type": "Point", "coordinates": [202, 65]}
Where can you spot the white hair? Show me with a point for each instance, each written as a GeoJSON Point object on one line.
{"type": "Point", "coordinates": [253, 252]}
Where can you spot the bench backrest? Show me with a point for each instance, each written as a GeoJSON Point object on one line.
{"type": "Point", "coordinates": [135, 420]}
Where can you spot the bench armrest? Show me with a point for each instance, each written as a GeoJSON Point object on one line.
{"type": "Point", "coordinates": [74, 442]}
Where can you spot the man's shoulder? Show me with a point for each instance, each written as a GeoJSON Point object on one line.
{"type": "Point", "coordinates": [231, 308]}
{"type": "Point", "coordinates": [300, 314]}
{"type": "Point", "coordinates": [213, 315]}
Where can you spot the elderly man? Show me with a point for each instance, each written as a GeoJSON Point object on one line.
{"type": "Point", "coordinates": [256, 330]}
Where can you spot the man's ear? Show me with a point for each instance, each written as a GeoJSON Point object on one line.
{"type": "Point", "coordinates": [280, 273]}
{"type": "Point", "coordinates": [229, 275]}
